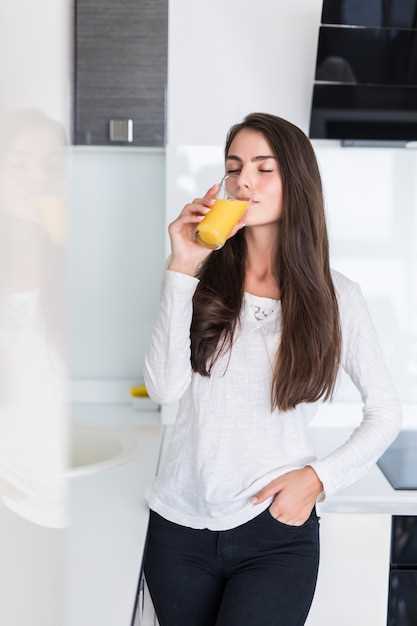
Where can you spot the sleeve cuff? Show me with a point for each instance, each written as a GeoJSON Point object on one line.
{"type": "Point", "coordinates": [185, 283]}
{"type": "Point", "coordinates": [329, 488]}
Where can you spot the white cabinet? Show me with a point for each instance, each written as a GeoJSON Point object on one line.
{"type": "Point", "coordinates": [352, 584]}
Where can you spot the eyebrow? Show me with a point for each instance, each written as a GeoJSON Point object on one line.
{"type": "Point", "coordinates": [260, 157]}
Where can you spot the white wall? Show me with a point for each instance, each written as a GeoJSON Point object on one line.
{"type": "Point", "coordinates": [371, 206]}
{"type": "Point", "coordinates": [115, 257]}
{"type": "Point", "coordinates": [228, 58]}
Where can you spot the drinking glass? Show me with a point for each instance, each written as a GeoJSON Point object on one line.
{"type": "Point", "coordinates": [214, 230]}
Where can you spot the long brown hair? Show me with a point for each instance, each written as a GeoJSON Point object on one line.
{"type": "Point", "coordinates": [309, 353]}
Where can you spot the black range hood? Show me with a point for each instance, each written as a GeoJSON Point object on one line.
{"type": "Point", "coordinates": [365, 89]}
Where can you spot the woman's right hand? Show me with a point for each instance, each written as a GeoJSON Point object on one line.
{"type": "Point", "coordinates": [185, 251]}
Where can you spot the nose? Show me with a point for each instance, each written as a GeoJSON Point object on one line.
{"type": "Point", "coordinates": [243, 186]}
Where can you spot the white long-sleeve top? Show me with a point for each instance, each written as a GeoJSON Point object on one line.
{"type": "Point", "coordinates": [226, 444]}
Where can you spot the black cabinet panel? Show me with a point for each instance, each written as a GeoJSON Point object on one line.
{"type": "Point", "coordinates": [402, 602]}
{"type": "Point", "coordinates": [120, 69]}
{"type": "Point", "coordinates": [404, 541]}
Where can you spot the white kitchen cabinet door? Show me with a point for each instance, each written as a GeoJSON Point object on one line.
{"type": "Point", "coordinates": [352, 584]}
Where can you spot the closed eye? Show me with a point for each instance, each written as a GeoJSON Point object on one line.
{"type": "Point", "coordinates": [235, 171]}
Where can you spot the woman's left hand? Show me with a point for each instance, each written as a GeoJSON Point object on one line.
{"type": "Point", "coordinates": [298, 490]}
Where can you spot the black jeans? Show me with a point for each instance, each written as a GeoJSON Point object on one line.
{"type": "Point", "coordinates": [260, 573]}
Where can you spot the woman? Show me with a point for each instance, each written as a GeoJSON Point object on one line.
{"type": "Point", "coordinates": [250, 338]}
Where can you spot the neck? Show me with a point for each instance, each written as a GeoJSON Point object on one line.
{"type": "Point", "coordinates": [261, 244]}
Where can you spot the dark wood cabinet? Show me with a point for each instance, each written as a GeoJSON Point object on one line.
{"type": "Point", "coordinates": [120, 69]}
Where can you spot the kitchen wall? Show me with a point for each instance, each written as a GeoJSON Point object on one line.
{"type": "Point", "coordinates": [115, 257]}
{"type": "Point", "coordinates": [371, 206]}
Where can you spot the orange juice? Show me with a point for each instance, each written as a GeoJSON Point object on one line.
{"type": "Point", "coordinates": [218, 223]}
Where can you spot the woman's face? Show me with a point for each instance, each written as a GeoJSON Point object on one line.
{"type": "Point", "coordinates": [257, 177]}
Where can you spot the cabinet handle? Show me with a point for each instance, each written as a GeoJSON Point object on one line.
{"type": "Point", "coordinates": [121, 130]}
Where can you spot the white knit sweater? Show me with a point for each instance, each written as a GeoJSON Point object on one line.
{"type": "Point", "coordinates": [225, 444]}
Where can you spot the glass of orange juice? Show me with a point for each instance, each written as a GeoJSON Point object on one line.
{"type": "Point", "coordinates": [225, 213]}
